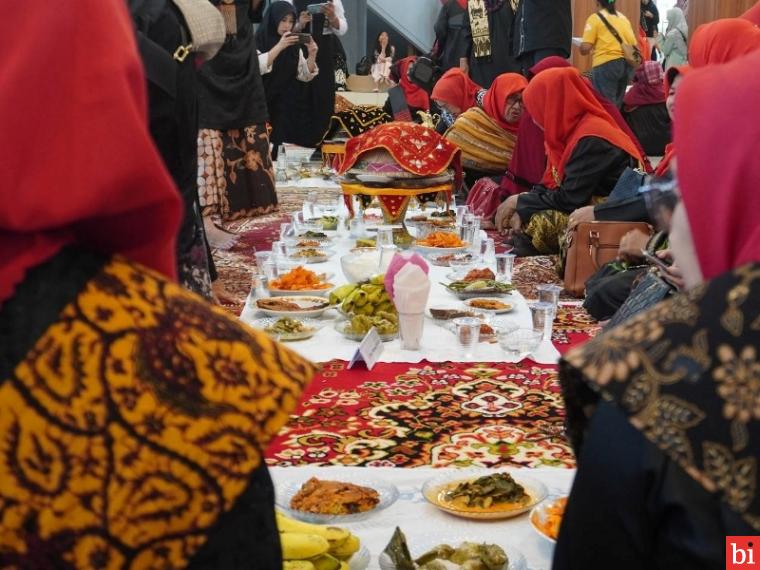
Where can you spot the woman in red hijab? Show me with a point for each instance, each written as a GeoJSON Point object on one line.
{"type": "Point", "coordinates": [673, 78]}
{"type": "Point", "coordinates": [406, 99]}
{"type": "Point", "coordinates": [662, 410]}
{"type": "Point", "coordinates": [722, 41]}
{"type": "Point", "coordinates": [587, 152]}
{"type": "Point", "coordinates": [131, 420]}
{"type": "Point", "coordinates": [455, 92]}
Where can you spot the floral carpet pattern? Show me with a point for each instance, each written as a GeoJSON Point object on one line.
{"type": "Point", "coordinates": [486, 414]}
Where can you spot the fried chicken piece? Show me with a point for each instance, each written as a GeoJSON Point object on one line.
{"type": "Point", "coordinates": [277, 305]}
{"type": "Point", "coordinates": [334, 498]}
{"type": "Point", "coordinates": [480, 275]}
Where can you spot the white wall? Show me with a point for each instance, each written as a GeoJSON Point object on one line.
{"type": "Point", "coordinates": [413, 18]}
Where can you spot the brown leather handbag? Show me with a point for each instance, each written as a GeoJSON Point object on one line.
{"type": "Point", "coordinates": [589, 246]}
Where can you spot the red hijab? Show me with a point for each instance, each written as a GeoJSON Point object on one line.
{"type": "Point", "coordinates": [564, 104]}
{"type": "Point", "coordinates": [457, 89]}
{"type": "Point", "coordinates": [648, 86]}
{"type": "Point", "coordinates": [92, 177]}
{"type": "Point", "coordinates": [495, 101]}
{"type": "Point", "coordinates": [718, 170]}
{"type": "Point", "coordinates": [753, 14]}
{"type": "Point", "coordinates": [415, 96]}
{"type": "Point", "coordinates": [722, 41]}
{"type": "Point", "coordinates": [670, 149]}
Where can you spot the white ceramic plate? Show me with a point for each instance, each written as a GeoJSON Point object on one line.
{"type": "Point", "coordinates": [310, 307]}
{"type": "Point", "coordinates": [303, 293]}
{"type": "Point", "coordinates": [509, 306]}
{"type": "Point", "coordinates": [438, 251]}
{"type": "Point", "coordinates": [421, 542]}
{"type": "Point", "coordinates": [433, 488]}
{"type": "Point", "coordinates": [341, 327]}
{"type": "Point", "coordinates": [285, 491]}
{"type": "Point", "coordinates": [312, 329]}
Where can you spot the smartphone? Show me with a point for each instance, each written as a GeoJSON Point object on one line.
{"type": "Point", "coordinates": [654, 260]}
{"type": "Point", "coordinates": [304, 39]}
{"type": "Point", "coordinates": [314, 9]}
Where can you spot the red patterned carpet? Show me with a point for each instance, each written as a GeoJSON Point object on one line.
{"type": "Point", "coordinates": [489, 414]}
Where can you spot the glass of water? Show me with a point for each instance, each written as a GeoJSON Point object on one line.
{"type": "Point", "coordinates": [384, 236]}
{"type": "Point", "coordinates": [468, 334]}
{"type": "Point", "coordinates": [520, 343]}
{"type": "Point", "coordinates": [549, 293]}
{"type": "Point", "coordinates": [543, 319]}
{"type": "Point", "coordinates": [505, 263]}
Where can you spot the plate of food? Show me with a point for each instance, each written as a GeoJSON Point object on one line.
{"type": "Point", "coordinates": [309, 255]}
{"type": "Point", "coordinates": [486, 304]}
{"type": "Point", "coordinates": [293, 306]}
{"type": "Point", "coordinates": [323, 501]}
{"type": "Point", "coordinates": [471, 275]}
{"type": "Point", "coordinates": [450, 313]}
{"type": "Point", "coordinates": [357, 327]}
{"type": "Point", "coordinates": [288, 329]}
{"type": "Point", "coordinates": [300, 281]}
{"type": "Point", "coordinates": [480, 494]}
{"type": "Point", "coordinates": [441, 243]}
{"type": "Point", "coordinates": [546, 518]}
{"type": "Point", "coordinates": [482, 549]}
{"type": "Point", "coordinates": [445, 260]}
{"type": "Point", "coordinates": [482, 288]}
{"type": "Point", "coordinates": [322, 546]}
{"type": "Point", "coordinates": [325, 223]}
{"type": "Point", "coordinates": [309, 238]}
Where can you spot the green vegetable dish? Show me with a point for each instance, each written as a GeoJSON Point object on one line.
{"type": "Point", "coordinates": [486, 491]}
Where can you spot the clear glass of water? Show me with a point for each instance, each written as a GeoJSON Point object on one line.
{"type": "Point", "coordinates": [461, 211]}
{"type": "Point", "coordinates": [505, 263]}
{"type": "Point", "coordinates": [286, 230]}
{"type": "Point", "coordinates": [468, 334]}
{"type": "Point", "coordinates": [549, 293]}
{"type": "Point", "coordinates": [487, 251]}
{"type": "Point", "coordinates": [520, 343]}
{"type": "Point", "coordinates": [384, 236]}
{"type": "Point", "coordinates": [543, 319]}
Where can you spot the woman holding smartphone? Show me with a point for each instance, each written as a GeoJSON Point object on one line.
{"type": "Point", "coordinates": [283, 64]}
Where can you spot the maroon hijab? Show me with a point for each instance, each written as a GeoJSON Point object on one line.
{"type": "Point", "coordinates": [648, 86]}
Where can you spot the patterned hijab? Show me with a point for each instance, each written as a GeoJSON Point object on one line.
{"type": "Point", "coordinates": [98, 181]}
{"type": "Point", "coordinates": [686, 372]}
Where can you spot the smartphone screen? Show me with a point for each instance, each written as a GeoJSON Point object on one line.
{"type": "Point", "coordinates": [654, 260]}
{"type": "Point", "coordinates": [304, 38]}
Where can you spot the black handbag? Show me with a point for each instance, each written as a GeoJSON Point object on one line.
{"type": "Point", "coordinates": [424, 73]}
{"type": "Point", "coordinates": [364, 67]}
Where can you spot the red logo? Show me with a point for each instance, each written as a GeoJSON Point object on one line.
{"type": "Point", "coordinates": [743, 553]}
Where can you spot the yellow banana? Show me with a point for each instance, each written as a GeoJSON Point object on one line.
{"type": "Point", "coordinates": [347, 549]}
{"type": "Point", "coordinates": [334, 535]}
{"type": "Point", "coordinates": [297, 565]}
{"type": "Point", "coordinates": [326, 562]}
{"type": "Point", "coordinates": [297, 546]}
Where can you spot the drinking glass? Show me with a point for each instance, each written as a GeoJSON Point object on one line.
{"type": "Point", "coordinates": [487, 251]}
{"type": "Point", "coordinates": [384, 236]}
{"type": "Point", "coordinates": [543, 319]}
{"type": "Point", "coordinates": [286, 230]}
{"type": "Point", "coordinates": [505, 263]}
{"type": "Point", "coordinates": [520, 343]}
{"type": "Point", "coordinates": [468, 334]}
{"type": "Point", "coordinates": [356, 227]}
{"type": "Point", "coordinates": [549, 293]}
{"type": "Point", "coordinates": [279, 250]}
{"type": "Point", "coordinates": [460, 267]}
{"type": "Point", "coordinates": [262, 257]}
{"type": "Point", "coordinates": [467, 234]}
{"type": "Point", "coordinates": [461, 211]}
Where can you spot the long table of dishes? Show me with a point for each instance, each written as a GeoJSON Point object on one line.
{"type": "Point", "coordinates": [408, 499]}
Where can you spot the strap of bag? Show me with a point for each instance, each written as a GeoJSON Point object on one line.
{"type": "Point", "coordinates": [611, 28]}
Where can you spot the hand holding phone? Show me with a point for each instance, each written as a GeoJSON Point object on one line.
{"type": "Point", "coordinates": [315, 9]}
{"type": "Point", "coordinates": [655, 261]}
{"type": "Point", "coordinates": [304, 39]}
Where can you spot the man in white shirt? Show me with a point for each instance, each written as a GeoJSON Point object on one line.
{"type": "Point", "coordinates": [335, 17]}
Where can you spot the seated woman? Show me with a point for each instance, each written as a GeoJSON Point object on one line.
{"type": "Point", "coordinates": [662, 411]}
{"type": "Point", "coordinates": [644, 108]}
{"type": "Point", "coordinates": [487, 134]}
{"type": "Point", "coordinates": [133, 415]}
{"type": "Point", "coordinates": [406, 100]}
{"type": "Point", "coordinates": [587, 152]}
{"type": "Point", "coordinates": [282, 65]}
{"type": "Point", "coordinates": [454, 93]}
{"type": "Point", "coordinates": [382, 62]}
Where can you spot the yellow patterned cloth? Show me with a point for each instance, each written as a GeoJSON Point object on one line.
{"type": "Point", "coordinates": [134, 424]}
{"type": "Point", "coordinates": [486, 147]}
{"type": "Point", "coordinates": [546, 230]}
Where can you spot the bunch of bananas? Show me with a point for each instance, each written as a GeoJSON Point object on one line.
{"type": "Point", "coordinates": [385, 323]}
{"type": "Point", "coordinates": [314, 547]}
{"type": "Point", "coordinates": [368, 298]}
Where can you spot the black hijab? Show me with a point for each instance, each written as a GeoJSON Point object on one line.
{"type": "Point", "coordinates": [285, 68]}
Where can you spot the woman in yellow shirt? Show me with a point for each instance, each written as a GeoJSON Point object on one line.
{"type": "Point", "coordinates": [610, 73]}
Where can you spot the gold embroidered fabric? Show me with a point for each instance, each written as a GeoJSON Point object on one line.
{"type": "Point", "coordinates": [687, 373]}
{"type": "Point", "coordinates": [135, 422]}
{"type": "Point", "coordinates": [485, 145]}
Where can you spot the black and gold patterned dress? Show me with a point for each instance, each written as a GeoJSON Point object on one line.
{"type": "Point", "coordinates": [133, 416]}
{"type": "Point", "coordinates": [664, 415]}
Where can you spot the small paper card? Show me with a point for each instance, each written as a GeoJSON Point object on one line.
{"type": "Point", "coordinates": [369, 350]}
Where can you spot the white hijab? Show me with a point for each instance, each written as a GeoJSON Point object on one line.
{"type": "Point", "coordinates": [677, 21]}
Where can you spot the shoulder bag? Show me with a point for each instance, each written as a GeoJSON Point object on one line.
{"type": "Point", "coordinates": [632, 54]}
{"type": "Point", "coordinates": [589, 246]}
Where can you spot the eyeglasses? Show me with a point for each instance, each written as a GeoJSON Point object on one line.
{"type": "Point", "coordinates": [661, 197]}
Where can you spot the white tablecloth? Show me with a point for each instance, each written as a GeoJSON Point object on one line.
{"type": "Point", "coordinates": [415, 516]}
{"type": "Point", "coordinates": [438, 344]}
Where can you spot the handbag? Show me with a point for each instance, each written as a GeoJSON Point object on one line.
{"type": "Point", "coordinates": [589, 246]}
{"type": "Point", "coordinates": [364, 67]}
{"type": "Point", "coordinates": [484, 198]}
{"type": "Point", "coordinates": [206, 25]}
{"type": "Point", "coordinates": [649, 291]}
{"type": "Point", "coordinates": [631, 54]}
{"type": "Point", "coordinates": [424, 73]}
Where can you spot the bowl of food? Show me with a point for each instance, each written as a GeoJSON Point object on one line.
{"type": "Point", "coordinates": [300, 281]}
{"type": "Point", "coordinates": [360, 265]}
{"type": "Point", "coordinates": [441, 243]}
{"type": "Point", "coordinates": [288, 329]}
{"type": "Point", "coordinates": [444, 260]}
{"type": "Point", "coordinates": [357, 327]}
{"type": "Point", "coordinates": [450, 551]}
{"type": "Point", "coordinates": [300, 306]}
{"type": "Point", "coordinates": [483, 494]}
{"type": "Point", "coordinates": [332, 502]}
{"type": "Point", "coordinates": [546, 518]}
{"type": "Point", "coordinates": [309, 255]}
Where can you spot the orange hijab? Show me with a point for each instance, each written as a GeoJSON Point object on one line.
{"type": "Point", "coordinates": [562, 103]}
{"type": "Point", "coordinates": [722, 41]}
{"type": "Point", "coordinates": [455, 88]}
{"type": "Point", "coordinates": [495, 101]}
